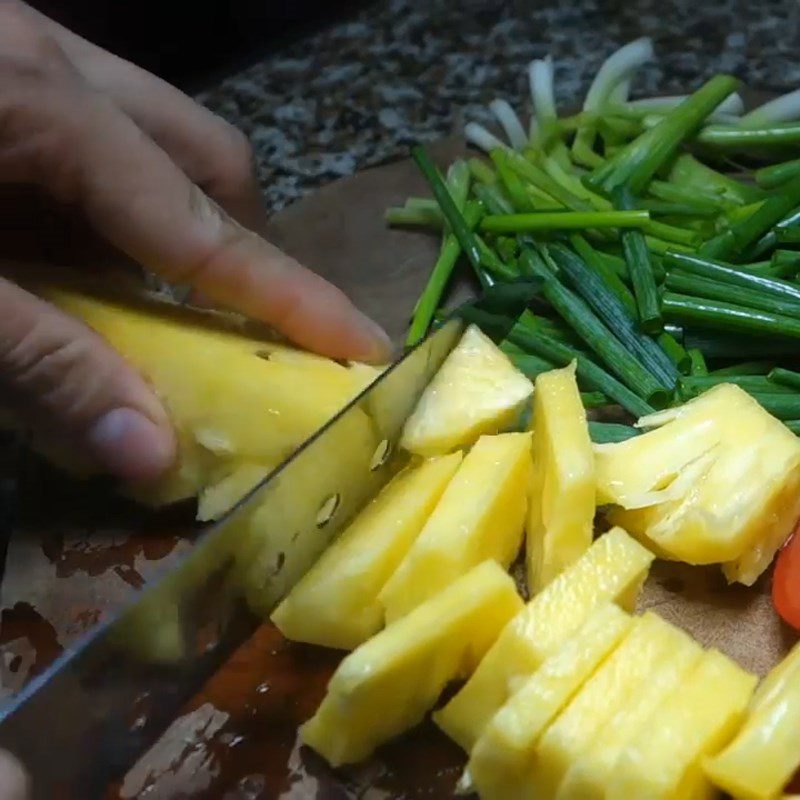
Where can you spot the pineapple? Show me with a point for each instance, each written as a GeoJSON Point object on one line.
{"type": "Point", "coordinates": [480, 515]}
{"type": "Point", "coordinates": [617, 682]}
{"type": "Point", "coordinates": [613, 568]}
{"type": "Point", "coordinates": [588, 775]}
{"type": "Point", "coordinates": [336, 602]}
{"type": "Point", "coordinates": [764, 755]}
{"type": "Point", "coordinates": [499, 767]}
{"type": "Point", "coordinates": [476, 391]}
{"type": "Point", "coordinates": [386, 686]}
{"type": "Point", "coordinates": [234, 399]}
{"type": "Point", "coordinates": [718, 481]}
{"type": "Point", "coordinates": [694, 721]}
{"type": "Point", "coordinates": [561, 518]}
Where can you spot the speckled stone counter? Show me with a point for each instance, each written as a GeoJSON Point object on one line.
{"type": "Point", "coordinates": [359, 93]}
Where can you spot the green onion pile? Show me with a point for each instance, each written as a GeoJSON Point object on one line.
{"type": "Point", "coordinates": [665, 231]}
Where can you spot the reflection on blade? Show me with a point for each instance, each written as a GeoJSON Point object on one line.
{"type": "Point", "coordinates": [86, 720]}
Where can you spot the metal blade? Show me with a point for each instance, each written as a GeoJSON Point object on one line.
{"type": "Point", "coordinates": [85, 721]}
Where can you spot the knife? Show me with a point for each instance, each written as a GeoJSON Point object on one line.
{"type": "Point", "coordinates": [84, 721]}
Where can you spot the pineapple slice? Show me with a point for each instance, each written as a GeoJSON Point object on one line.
{"type": "Point", "coordinates": [336, 602]}
{"type": "Point", "coordinates": [765, 754]}
{"type": "Point", "coordinates": [612, 569]}
{"type": "Point", "coordinates": [480, 515]}
{"type": "Point", "coordinates": [385, 686]}
{"type": "Point", "coordinates": [232, 398]}
{"type": "Point", "coordinates": [476, 391]}
{"type": "Point", "coordinates": [619, 681]}
{"type": "Point", "coordinates": [561, 518]}
{"type": "Point", "coordinates": [743, 495]}
{"type": "Point", "coordinates": [216, 498]}
{"type": "Point", "coordinates": [695, 721]}
{"type": "Point", "coordinates": [499, 767]}
{"type": "Point", "coordinates": [588, 775]}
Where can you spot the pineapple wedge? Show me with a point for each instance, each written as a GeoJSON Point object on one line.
{"type": "Point", "coordinates": [619, 681]}
{"type": "Point", "coordinates": [588, 775]}
{"type": "Point", "coordinates": [499, 767]}
{"type": "Point", "coordinates": [765, 754]}
{"type": "Point", "coordinates": [386, 686]}
{"type": "Point", "coordinates": [480, 515]}
{"type": "Point", "coordinates": [476, 391]}
{"type": "Point", "coordinates": [336, 602]}
{"type": "Point", "coordinates": [695, 721]}
{"type": "Point", "coordinates": [742, 497]}
{"type": "Point", "coordinates": [233, 398]}
{"type": "Point", "coordinates": [561, 517]}
{"type": "Point", "coordinates": [612, 569]}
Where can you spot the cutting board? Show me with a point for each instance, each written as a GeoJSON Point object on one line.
{"type": "Point", "coordinates": [76, 552]}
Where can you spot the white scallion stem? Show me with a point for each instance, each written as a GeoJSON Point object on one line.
{"type": "Point", "coordinates": [476, 134]}
{"type": "Point", "coordinates": [619, 94]}
{"type": "Point", "coordinates": [509, 122]}
{"type": "Point", "coordinates": [540, 78]}
{"type": "Point", "coordinates": [785, 108]}
{"type": "Point", "coordinates": [619, 66]}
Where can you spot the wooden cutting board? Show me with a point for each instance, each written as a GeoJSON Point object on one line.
{"type": "Point", "coordinates": [76, 552]}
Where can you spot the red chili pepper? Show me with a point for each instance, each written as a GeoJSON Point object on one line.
{"type": "Point", "coordinates": [786, 581]}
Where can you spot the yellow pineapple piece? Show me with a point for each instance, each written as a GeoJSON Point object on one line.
{"type": "Point", "coordinates": [336, 602]}
{"type": "Point", "coordinates": [476, 391]}
{"type": "Point", "coordinates": [561, 517]}
{"type": "Point", "coordinates": [588, 775]}
{"type": "Point", "coordinates": [480, 515]}
{"type": "Point", "coordinates": [741, 496]}
{"type": "Point", "coordinates": [216, 498]}
{"type": "Point", "coordinates": [233, 398]}
{"type": "Point", "coordinates": [612, 569]}
{"type": "Point", "coordinates": [618, 681]}
{"type": "Point", "coordinates": [499, 767]}
{"type": "Point", "coordinates": [765, 754]}
{"type": "Point", "coordinates": [695, 721]}
{"type": "Point", "coordinates": [388, 684]}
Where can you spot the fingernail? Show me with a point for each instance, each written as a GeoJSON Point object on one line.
{"type": "Point", "coordinates": [129, 445]}
{"type": "Point", "coordinates": [380, 349]}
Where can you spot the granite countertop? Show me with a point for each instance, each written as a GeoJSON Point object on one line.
{"type": "Point", "coordinates": [360, 93]}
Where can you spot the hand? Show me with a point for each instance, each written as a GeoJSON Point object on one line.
{"type": "Point", "coordinates": [171, 186]}
{"type": "Point", "coordinates": [14, 783]}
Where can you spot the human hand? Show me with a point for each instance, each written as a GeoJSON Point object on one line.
{"type": "Point", "coordinates": [14, 783]}
{"type": "Point", "coordinates": [171, 186]}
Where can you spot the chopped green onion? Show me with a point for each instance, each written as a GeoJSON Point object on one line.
{"type": "Point", "coordinates": [698, 365]}
{"type": "Point", "coordinates": [693, 175]}
{"type": "Point", "coordinates": [718, 344]}
{"type": "Point", "coordinates": [611, 432]}
{"type": "Point", "coordinates": [595, 376]}
{"type": "Point", "coordinates": [493, 198]}
{"type": "Point", "coordinates": [413, 217]}
{"type": "Point", "coordinates": [639, 161]}
{"type": "Point", "coordinates": [580, 317]}
{"type": "Point", "coordinates": [727, 316]}
{"type": "Point", "coordinates": [787, 377]}
{"type": "Point", "coordinates": [785, 262]}
{"type": "Point", "coordinates": [563, 220]}
{"type": "Point", "coordinates": [744, 233]}
{"type": "Point", "coordinates": [594, 400]}
{"type": "Point", "coordinates": [782, 406]}
{"type": "Point", "coordinates": [750, 383]}
{"type": "Point", "coordinates": [610, 309]}
{"type": "Point", "coordinates": [533, 173]}
{"type": "Point", "coordinates": [776, 174]}
{"type": "Point", "coordinates": [738, 138]}
{"type": "Point", "coordinates": [787, 235]}
{"type": "Point", "coordinates": [482, 172]}
{"type": "Point", "coordinates": [686, 283]}
{"type": "Point", "coordinates": [640, 268]}
{"type": "Point", "coordinates": [468, 241]}
{"type": "Point", "coordinates": [716, 270]}
{"type": "Point", "coordinates": [677, 354]}
{"type": "Point", "coordinates": [710, 201]}
{"type": "Point", "coordinates": [602, 265]}
{"type": "Point", "coordinates": [439, 277]}
{"type": "Point", "coordinates": [529, 364]}
{"type": "Point", "coordinates": [746, 368]}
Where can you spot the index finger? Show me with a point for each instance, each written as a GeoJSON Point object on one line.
{"type": "Point", "coordinates": [76, 144]}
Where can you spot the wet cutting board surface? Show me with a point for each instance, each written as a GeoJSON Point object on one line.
{"type": "Point", "coordinates": [76, 553]}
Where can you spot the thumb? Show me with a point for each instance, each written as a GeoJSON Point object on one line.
{"type": "Point", "coordinates": [75, 390]}
{"type": "Point", "coordinates": [14, 783]}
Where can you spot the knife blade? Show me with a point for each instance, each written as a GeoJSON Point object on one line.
{"type": "Point", "coordinates": [84, 721]}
